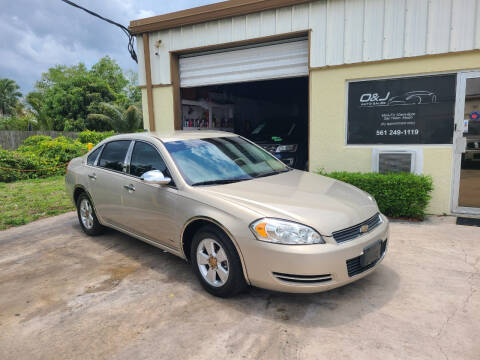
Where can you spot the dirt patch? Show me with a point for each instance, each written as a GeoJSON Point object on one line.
{"type": "Point", "coordinates": [117, 274]}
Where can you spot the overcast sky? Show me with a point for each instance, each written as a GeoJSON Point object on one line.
{"type": "Point", "coordinates": [38, 34]}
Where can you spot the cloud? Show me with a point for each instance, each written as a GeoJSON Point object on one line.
{"type": "Point", "coordinates": [38, 34]}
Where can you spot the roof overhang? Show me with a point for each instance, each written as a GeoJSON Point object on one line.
{"type": "Point", "coordinates": [221, 10]}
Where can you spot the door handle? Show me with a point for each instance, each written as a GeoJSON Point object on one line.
{"type": "Point", "coordinates": [92, 176]}
{"type": "Point", "coordinates": [129, 187]}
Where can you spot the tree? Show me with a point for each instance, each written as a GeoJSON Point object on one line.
{"type": "Point", "coordinates": [66, 95]}
{"type": "Point", "coordinates": [120, 120]}
{"type": "Point", "coordinates": [108, 70]}
{"type": "Point", "coordinates": [34, 100]}
{"type": "Point", "coordinates": [134, 94]}
{"type": "Point", "coordinates": [9, 97]}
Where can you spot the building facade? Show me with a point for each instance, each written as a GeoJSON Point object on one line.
{"type": "Point", "coordinates": [388, 85]}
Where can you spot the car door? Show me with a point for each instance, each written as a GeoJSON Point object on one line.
{"type": "Point", "coordinates": [106, 181]}
{"type": "Point", "coordinates": [151, 208]}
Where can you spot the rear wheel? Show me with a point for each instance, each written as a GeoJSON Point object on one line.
{"type": "Point", "coordinates": [216, 263]}
{"type": "Point", "coordinates": [87, 217]}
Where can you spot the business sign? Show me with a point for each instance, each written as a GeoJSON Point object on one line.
{"type": "Point", "coordinates": [416, 110]}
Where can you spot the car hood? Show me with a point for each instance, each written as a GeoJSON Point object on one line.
{"type": "Point", "coordinates": [323, 203]}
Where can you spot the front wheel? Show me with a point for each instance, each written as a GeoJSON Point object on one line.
{"type": "Point", "coordinates": [87, 217]}
{"type": "Point", "coordinates": [216, 263]}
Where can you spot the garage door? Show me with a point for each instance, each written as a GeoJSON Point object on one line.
{"type": "Point", "coordinates": [249, 63]}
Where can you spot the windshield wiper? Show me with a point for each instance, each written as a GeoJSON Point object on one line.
{"type": "Point", "coordinates": [274, 172]}
{"type": "Point", "coordinates": [218, 182]}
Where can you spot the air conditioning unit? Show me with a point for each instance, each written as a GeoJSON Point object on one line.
{"type": "Point", "coordinates": [397, 160]}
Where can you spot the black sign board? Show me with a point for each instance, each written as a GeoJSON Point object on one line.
{"type": "Point", "coordinates": [416, 110]}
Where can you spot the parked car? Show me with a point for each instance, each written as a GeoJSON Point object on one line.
{"type": "Point", "coordinates": [234, 211]}
{"type": "Point", "coordinates": [286, 138]}
{"type": "Point", "coordinates": [414, 97]}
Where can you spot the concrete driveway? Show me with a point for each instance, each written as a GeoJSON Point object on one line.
{"type": "Point", "coordinates": [64, 295]}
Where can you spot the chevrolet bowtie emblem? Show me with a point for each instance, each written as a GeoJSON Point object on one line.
{"type": "Point", "coordinates": [364, 228]}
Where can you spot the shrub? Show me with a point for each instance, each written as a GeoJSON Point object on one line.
{"type": "Point", "coordinates": [26, 165]}
{"type": "Point", "coordinates": [397, 194]}
{"type": "Point", "coordinates": [60, 149]}
{"type": "Point", "coordinates": [39, 156]}
{"type": "Point", "coordinates": [35, 140]}
{"type": "Point", "coordinates": [93, 137]}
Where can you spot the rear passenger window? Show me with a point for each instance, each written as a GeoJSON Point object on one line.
{"type": "Point", "coordinates": [145, 158]}
{"type": "Point", "coordinates": [113, 156]}
{"type": "Point", "coordinates": [93, 156]}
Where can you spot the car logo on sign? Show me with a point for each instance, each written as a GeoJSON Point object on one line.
{"type": "Point", "coordinates": [364, 228]}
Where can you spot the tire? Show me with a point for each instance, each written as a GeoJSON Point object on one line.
{"type": "Point", "coordinates": [87, 218]}
{"type": "Point", "coordinates": [213, 263]}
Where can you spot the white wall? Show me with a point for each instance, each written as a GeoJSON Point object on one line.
{"type": "Point", "coordinates": [343, 31]}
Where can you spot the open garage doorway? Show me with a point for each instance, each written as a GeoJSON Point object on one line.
{"type": "Point", "coordinates": [272, 113]}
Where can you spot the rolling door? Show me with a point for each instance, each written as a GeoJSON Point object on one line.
{"type": "Point", "coordinates": [249, 63]}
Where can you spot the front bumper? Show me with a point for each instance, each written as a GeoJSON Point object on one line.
{"type": "Point", "coordinates": [311, 268]}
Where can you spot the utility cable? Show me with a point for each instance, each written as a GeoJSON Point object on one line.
{"type": "Point", "coordinates": [127, 32]}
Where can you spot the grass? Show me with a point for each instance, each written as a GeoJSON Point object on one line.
{"type": "Point", "coordinates": [24, 201]}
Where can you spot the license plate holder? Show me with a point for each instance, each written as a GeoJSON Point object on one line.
{"type": "Point", "coordinates": [371, 253]}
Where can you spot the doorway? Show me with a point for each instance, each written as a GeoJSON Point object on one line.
{"type": "Point", "coordinates": [467, 145]}
{"type": "Point", "coordinates": [271, 113]}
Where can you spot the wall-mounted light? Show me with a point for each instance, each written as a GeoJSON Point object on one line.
{"type": "Point", "coordinates": [158, 43]}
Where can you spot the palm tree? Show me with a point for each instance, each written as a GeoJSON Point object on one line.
{"type": "Point", "coordinates": [9, 96]}
{"type": "Point", "coordinates": [122, 121]}
{"type": "Point", "coordinates": [35, 100]}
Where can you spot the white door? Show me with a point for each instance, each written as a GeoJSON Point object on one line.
{"type": "Point", "coordinates": [466, 174]}
{"type": "Point", "coordinates": [276, 60]}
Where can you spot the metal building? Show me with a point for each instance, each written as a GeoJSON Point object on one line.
{"type": "Point", "coordinates": [370, 85]}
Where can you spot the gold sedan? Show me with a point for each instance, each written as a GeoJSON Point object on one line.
{"type": "Point", "coordinates": [235, 212]}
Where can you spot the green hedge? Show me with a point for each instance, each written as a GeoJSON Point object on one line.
{"type": "Point", "coordinates": [398, 195]}
{"type": "Point", "coordinates": [39, 156]}
{"type": "Point", "coordinates": [31, 166]}
{"type": "Point", "coordinates": [93, 137]}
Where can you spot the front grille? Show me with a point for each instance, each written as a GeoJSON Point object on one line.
{"type": "Point", "coordinates": [303, 279]}
{"type": "Point", "coordinates": [355, 267]}
{"type": "Point", "coordinates": [354, 231]}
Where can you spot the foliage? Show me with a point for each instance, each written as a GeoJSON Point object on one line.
{"type": "Point", "coordinates": [34, 100]}
{"type": "Point", "coordinates": [397, 194]}
{"type": "Point", "coordinates": [19, 122]}
{"type": "Point", "coordinates": [93, 137]}
{"type": "Point", "coordinates": [9, 97]}
{"type": "Point", "coordinates": [30, 166]}
{"type": "Point", "coordinates": [134, 94]}
{"type": "Point", "coordinates": [72, 98]}
{"type": "Point", "coordinates": [60, 149]}
{"type": "Point", "coordinates": [25, 201]}
{"type": "Point", "coordinates": [35, 140]}
{"type": "Point", "coordinates": [65, 96]}
{"type": "Point", "coordinates": [108, 70]}
{"type": "Point", "coordinates": [39, 156]}
{"type": "Point", "coordinates": [120, 121]}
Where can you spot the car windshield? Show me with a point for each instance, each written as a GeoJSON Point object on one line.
{"type": "Point", "coordinates": [222, 160]}
{"type": "Point", "coordinates": [270, 127]}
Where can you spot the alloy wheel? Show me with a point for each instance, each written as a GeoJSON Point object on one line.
{"type": "Point", "coordinates": [86, 213]}
{"type": "Point", "coordinates": [212, 262]}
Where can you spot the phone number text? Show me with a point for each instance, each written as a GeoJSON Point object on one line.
{"type": "Point", "coordinates": [398, 132]}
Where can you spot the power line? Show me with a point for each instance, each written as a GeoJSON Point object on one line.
{"type": "Point", "coordinates": [127, 32]}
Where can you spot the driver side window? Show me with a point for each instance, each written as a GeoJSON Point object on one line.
{"type": "Point", "coordinates": [145, 158]}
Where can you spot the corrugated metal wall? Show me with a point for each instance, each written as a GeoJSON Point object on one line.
{"type": "Point", "coordinates": [343, 31]}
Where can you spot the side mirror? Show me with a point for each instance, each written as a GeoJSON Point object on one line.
{"type": "Point", "coordinates": [155, 177]}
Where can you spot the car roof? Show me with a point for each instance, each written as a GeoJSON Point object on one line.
{"type": "Point", "coordinates": [174, 135]}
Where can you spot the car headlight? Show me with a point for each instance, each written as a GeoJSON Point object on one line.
{"type": "Point", "coordinates": [286, 148]}
{"type": "Point", "coordinates": [285, 232]}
